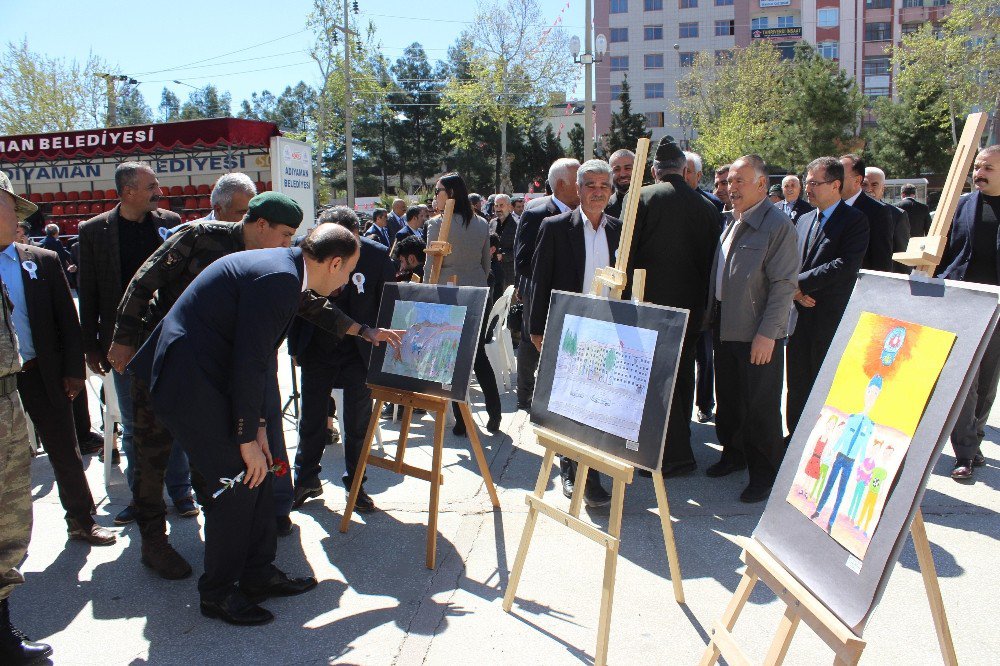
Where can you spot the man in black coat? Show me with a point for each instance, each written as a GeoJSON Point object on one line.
{"type": "Point", "coordinates": [918, 213]}
{"type": "Point", "coordinates": [832, 243]}
{"type": "Point", "coordinates": [622, 162]}
{"type": "Point", "coordinates": [792, 205]}
{"type": "Point", "coordinates": [571, 248]}
{"type": "Point", "coordinates": [564, 198]}
{"type": "Point", "coordinates": [677, 231]}
{"type": "Point", "coordinates": [207, 365]}
{"type": "Point", "coordinates": [878, 257]}
{"type": "Point", "coordinates": [330, 362]}
{"type": "Point", "coordinates": [874, 186]}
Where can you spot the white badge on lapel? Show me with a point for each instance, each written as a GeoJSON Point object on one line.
{"type": "Point", "coordinates": [164, 232]}
{"type": "Point", "coordinates": [359, 282]}
{"type": "Point", "coordinates": [31, 267]}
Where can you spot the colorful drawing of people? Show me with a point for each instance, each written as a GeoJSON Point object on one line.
{"type": "Point", "coordinates": [862, 475]}
{"type": "Point", "coordinates": [815, 468]}
{"type": "Point", "coordinates": [851, 446]}
{"type": "Point", "coordinates": [868, 508]}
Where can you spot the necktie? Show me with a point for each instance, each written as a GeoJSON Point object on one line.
{"type": "Point", "coordinates": [814, 232]}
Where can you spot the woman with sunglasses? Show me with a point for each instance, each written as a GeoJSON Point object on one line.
{"type": "Point", "coordinates": [469, 261]}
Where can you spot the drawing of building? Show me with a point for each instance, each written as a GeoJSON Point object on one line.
{"type": "Point", "coordinates": [616, 366]}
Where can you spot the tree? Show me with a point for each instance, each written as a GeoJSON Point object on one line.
{"type": "Point", "coordinates": [207, 102]}
{"type": "Point", "coordinates": [294, 111]}
{"type": "Point", "coordinates": [131, 108]}
{"type": "Point", "coordinates": [515, 66]}
{"type": "Point", "coordinates": [626, 127]}
{"type": "Point", "coordinates": [731, 104]}
{"type": "Point", "coordinates": [821, 117]}
{"type": "Point", "coordinates": [912, 136]}
{"type": "Point", "coordinates": [575, 136]}
{"type": "Point", "coordinates": [417, 94]}
{"type": "Point", "coordinates": [41, 94]}
{"type": "Point", "coordinates": [170, 106]}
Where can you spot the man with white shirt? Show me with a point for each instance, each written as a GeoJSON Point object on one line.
{"type": "Point", "coordinates": [792, 205]}
{"type": "Point", "coordinates": [571, 248]}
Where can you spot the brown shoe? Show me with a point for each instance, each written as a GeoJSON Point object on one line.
{"type": "Point", "coordinates": [93, 534]}
{"type": "Point", "coordinates": [160, 556]}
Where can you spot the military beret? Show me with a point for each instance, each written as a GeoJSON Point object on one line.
{"type": "Point", "coordinates": [276, 208]}
{"type": "Point", "coordinates": [668, 150]}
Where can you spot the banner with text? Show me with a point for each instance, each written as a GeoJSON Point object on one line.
{"type": "Point", "coordinates": [292, 174]}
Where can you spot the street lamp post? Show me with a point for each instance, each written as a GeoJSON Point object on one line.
{"type": "Point", "coordinates": [588, 59]}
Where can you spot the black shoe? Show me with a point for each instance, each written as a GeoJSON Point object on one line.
{"type": "Point", "coordinates": [364, 503]}
{"type": "Point", "coordinates": [187, 508]}
{"type": "Point", "coordinates": [90, 443]}
{"type": "Point", "coordinates": [125, 516]}
{"type": "Point", "coordinates": [524, 405]}
{"type": "Point", "coordinates": [644, 473]}
{"type": "Point", "coordinates": [594, 494]}
{"type": "Point", "coordinates": [704, 417]}
{"type": "Point", "coordinates": [978, 460]}
{"type": "Point", "coordinates": [17, 649]}
{"type": "Point", "coordinates": [237, 609]}
{"type": "Point", "coordinates": [493, 425]}
{"type": "Point", "coordinates": [303, 493]}
{"type": "Point", "coordinates": [679, 469]}
{"type": "Point", "coordinates": [724, 468]}
{"type": "Point", "coordinates": [753, 494]}
{"type": "Point", "coordinates": [283, 525]}
{"type": "Point", "coordinates": [332, 436]}
{"type": "Point", "coordinates": [459, 429]}
{"type": "Point", "coordinates": [278, 585]}
{"type": "Point", "coordinates": [963, 469]}
{"type": "Point", "coordinates": [567, 475]}
{"type": "Point", "coordinates": [116, 455]}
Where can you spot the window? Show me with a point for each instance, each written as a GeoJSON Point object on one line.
{"type": "Point", "coordinates": [759, 23]}
{"type": "Point", "coordinates": [652, 61]}
{"type": "Point", "coordinates": [654, 118]}
{"type": "Point", "coordinates": [940, 3]}
{"type": "Point", "coordinates": [619, 6]}
{"type": "Point", "coordinates": [913, 3]}
{"type": "Point", "coordinates": [829, 50]}
{"type": "Point", "coordinates": [786, 50]}
{"type": "Point", "coordinates": [723, 3]}
{"type": "Point", "coordinates": [910, 28]}
{"type": "Point", "coordinates": [654, 91]}
{"type": "Point", "coordinates": [688, 4]}
{"type": "Point", "coordinates": [878, 32]}
{"type": "Point", "coordinates": [652, 5]}
{"type": "Point", "coordinates": [652, 32]}
{"type": "Point", "coordinates": [876, 66]}
{"type": "Point", "coordinates": [619, 63]}
{"type": "Point", "coordinates": [722, 55]}
{"type": "Point", "coordinates": [788, 21]}
{"type": "Point", "coordinates": [686, 59]}
{"type": "Point", "coordinates": [689, 30]}
{"type": "Point", "coordinates": [618, 35]}
{"type": "Point", "coordinates": [878, 4]}
{"type": "Point", "coordinates": [828, 17]}
{"type": "Point", "coordinates": [876, 92]}
{"type": "Point", "coordinates": [725, 28]}
{"type": "Point", "coordinates": [616, 92]}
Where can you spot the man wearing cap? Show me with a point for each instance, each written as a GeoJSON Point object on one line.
{"type": "Point", "coordinates": [676, 233]}
{"type": "Point", "coordinates": [112, 247]}
{"type": "Point", "coordinates": [775, 195]}
{"type": "Point", "coordinates": [15, 458]}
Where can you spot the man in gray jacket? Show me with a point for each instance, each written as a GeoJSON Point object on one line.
{"type": "Point", "coordinates": [753, 279]}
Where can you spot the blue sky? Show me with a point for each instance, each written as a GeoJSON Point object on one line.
{"type": "Point", "coordinates": [186, 40]}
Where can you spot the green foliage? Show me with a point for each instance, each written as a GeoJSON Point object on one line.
{"type": "Point", "coordinates": [912, 136]}
{"type": "Point", "coordinates": [626, 128]}
{"type": "Point", "coordinates": [575, 136]}
{"type": "Point", "coordinates": [207, 102]}
{"type": "Point", "coordinates": [170, 107]}
{"type": "Point", "coordinates": [131, 108]}
{"type": "Point", "coordinates": [293, 111]}
{"type": "Point", "coordinates": [570, 343]}
{"type": "Point", "coordinates": [609, 360]}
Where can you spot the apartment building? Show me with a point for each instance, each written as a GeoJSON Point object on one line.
{"type": "Point", "coordinates": [654, 41]}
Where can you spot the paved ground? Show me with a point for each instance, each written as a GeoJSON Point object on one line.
{"type": "Point", "coordinates": [378, 604]}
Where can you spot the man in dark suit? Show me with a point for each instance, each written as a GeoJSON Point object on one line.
{"type": "Point", "coordinates": [329, 362]}
{"type": "Point", "coordinates": [397, 217]}
{"type": "Point", "coordinates": [113, 245]}
{"type": "Point", "coordinates": [571, 248]}
{"type": "Point", "coordinates": [917, 213]}
{"type": "Point", "coordinates": [972, 255]}
{"type": "Point", "coordinates": [692, 176]}
{"type": "Point", "coordinates": [831, 240]}
{"type": "Point", "coordinates": [52, 371]}
{"type": "Point", "coordinates": [564, 198]}
{"type": "Point", "coordinates": [207, 364]}
{"type": "Point", "coordinates": [416, 218]}
{"type": "Point", "coordinates": [378, 231]}
{"type": "Point", "coordinates": [792, 205]}
{"type": "Point", "coordinates": [505, 227]}
{"type": "Point", "coordinates": [878, 257]}
{"type": "Point", "coordinates": [621, 162]}
{"type": "Point", "coordinates": [676, 232]}
{"type": "Point", "coordinates": [874, 186]}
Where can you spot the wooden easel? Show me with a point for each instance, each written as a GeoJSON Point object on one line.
{"type": "Point", "coordinates": [411, 400]}
{"type": "Point", "coordinates": [924, 254]}
{"type": "Point", "coordinates": [588, 458]}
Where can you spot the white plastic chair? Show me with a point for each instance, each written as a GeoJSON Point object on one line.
{"type": "Point", "coordinates": [111, 415]}
{"type": "Point", "coordinates": [497, 347]}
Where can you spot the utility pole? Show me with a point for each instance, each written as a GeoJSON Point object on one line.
{"type": "Point", "coordinates": [110, 79]}
{"type": "Point", "coordinates": [348, 140]}
{"type": "Point", "coordinates": [588, 86]}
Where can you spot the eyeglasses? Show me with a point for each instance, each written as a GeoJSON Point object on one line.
{"type": "Point", "coordinates": [814, 183]}
{"type": "Point", "coordinates": [439, 190]}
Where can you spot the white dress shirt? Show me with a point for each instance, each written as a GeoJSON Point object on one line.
{"type": "Point", "coordinates": [850, 202]}
{"type": "Point", "coordinates": [595, 243]}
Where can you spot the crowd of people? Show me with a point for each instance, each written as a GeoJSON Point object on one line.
{"type": "Point", "coordinates": [187, 319]}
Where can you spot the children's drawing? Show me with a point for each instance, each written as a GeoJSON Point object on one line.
{"type": "Point", "coordinates": [430, 345]}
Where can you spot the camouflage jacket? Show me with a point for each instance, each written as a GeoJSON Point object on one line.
{"type": "Point", "coordinates": [162, 279]}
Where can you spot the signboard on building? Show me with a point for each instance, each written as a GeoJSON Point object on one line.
{"type": "Point", "coordinates": [774, 3]}
{"type": "Point", "coordinates": [292, 174]}
{"type": "Point", "coordinates": [777, 33]}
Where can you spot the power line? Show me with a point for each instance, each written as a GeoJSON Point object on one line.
{"type": "Point", "coordinates": [221, 76]}
{"type": "Point", "coordinates": [223, 55]}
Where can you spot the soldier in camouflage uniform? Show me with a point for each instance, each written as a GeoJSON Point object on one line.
{"type": "Point", "coordinates": [270, 222]}
{"type": "Point", "coordinates": [15, 459]}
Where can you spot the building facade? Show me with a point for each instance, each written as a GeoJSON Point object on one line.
{"type": "Point", "coordinates": [652, 42]}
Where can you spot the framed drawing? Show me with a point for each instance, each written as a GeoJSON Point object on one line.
{"type": "Point", "coordinates": [442, 325]}
{"type": "Point", "coordinates": [606, 374]}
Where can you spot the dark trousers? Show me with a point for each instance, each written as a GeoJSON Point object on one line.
{"type": "Point", "coordinates": [54, 424]}
{"type": "Point", "coordinates": [704, 374]}
{"type": "Point", "coordinates": [281, 486]}
{"type": "Point", "coordinates": [527, 363]}
{"type": "Point", "coordinates": [678, 441]}
{"type": "Point", "coordinates": [81, 415]}
{"type": "Point", "coordinates": [488, 383]}
{"type": "Point", "coordinates": [971, 425]}
{"type": "Point", "coordinates": [748, 409]}
{"type": "Point", "coordinates": [319, 378]}
{"type": "Point", "coordinates": [806, 350]}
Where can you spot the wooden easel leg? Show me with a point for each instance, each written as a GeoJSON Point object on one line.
{"type": "Point", "coordinates": [610, 567]}
{"type": "Point", "coordinates": [782, 638]}
{"type": "Point", "coordinates": [926, 560]}
{"type": "Point", "coordinates": [477, 450]}
{"type": "Point", "coordinates": [668, 537]}
{"type": "Point", "coordinates": [432, 520]}
{"type": "Point", "coordinates": [579, 488]}
{"type": "Point", "coordinates": [359, 472]}
{"type": "Point", "coordinates": [731, 614]}
{"type": "Point", "coordinates": [529, 528]}
{"type": "Point", "coordinates": [404, 431]}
